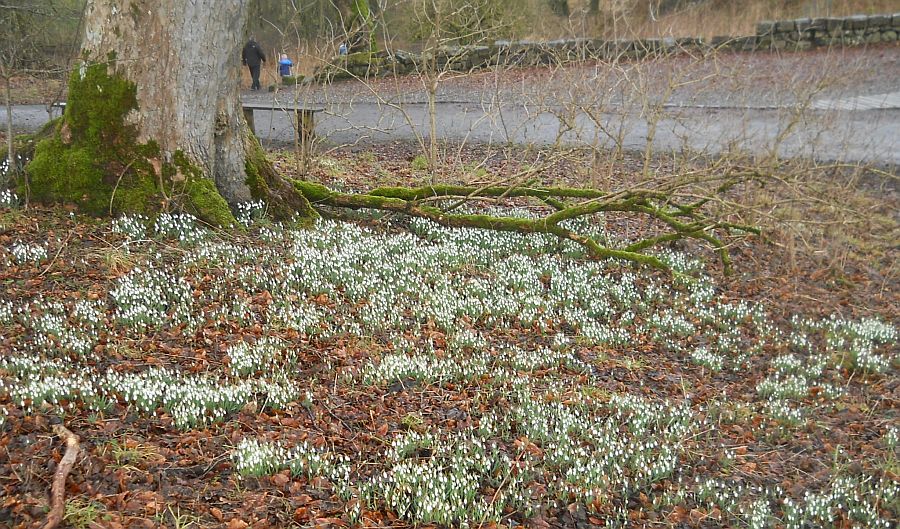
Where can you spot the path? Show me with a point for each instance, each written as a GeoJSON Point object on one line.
{"type": "Point", "coordinates": [836, 106]}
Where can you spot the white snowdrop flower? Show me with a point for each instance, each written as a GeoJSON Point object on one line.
{"type": "Point", "coordinates": [8, 199]}
{"type": "Point", "coordinates": [28, 253]}
{"type": "Point", "coordinates": [134, 227]}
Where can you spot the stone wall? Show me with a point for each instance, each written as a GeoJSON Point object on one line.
{"type": "Point", "coordinates": [805, 33]}
{"type": "Point", "coordinates": [799, 34]}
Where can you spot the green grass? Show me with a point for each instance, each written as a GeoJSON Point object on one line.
{"type": "Point", "coordinates": [82, 513]}
{"type": "Point", "coordinates": [419, 163]}
{"type": "Point", "coordinates": [125, 453]}
{"type": "Point", "coordinates": [175, 518]}
{"type": "Point", "coordinates": [413, 421]}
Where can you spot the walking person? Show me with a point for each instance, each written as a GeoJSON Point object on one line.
{"type": "Point", "coordinates": [253, 57]}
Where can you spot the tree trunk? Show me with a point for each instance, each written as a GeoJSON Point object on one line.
{"type": "Point", "coordinates": [183, 57]}
{"type": "Point", "coordinates": [11, 165]}
{"type": "Point", "coordinates": [156, 103]}
{"type": "Point", "coordinates": [560, 8]}
{"type": "Point", "coordinates": [359, 25]}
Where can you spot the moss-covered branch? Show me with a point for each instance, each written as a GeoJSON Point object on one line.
{"type": "Point", "coordinates": [418, 202]}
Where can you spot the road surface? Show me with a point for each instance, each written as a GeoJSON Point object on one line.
{"type": "Point", "coordinates": [827, 106]}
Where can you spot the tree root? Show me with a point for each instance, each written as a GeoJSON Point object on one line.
{"type": "Point", "coordinates": [282, 199]}
{"type": "Point", "coordinates": [567, 203]}
{"type": "Point", "coordinates": [58, 490]}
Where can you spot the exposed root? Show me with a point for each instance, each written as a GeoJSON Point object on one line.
{"type": "Point", "coordinates": [58, 490]}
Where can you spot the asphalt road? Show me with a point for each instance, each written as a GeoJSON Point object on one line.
{"type": "Point", "coordinates": [826, 106]}
{"type": "Point", "coordinates": [825, 135]}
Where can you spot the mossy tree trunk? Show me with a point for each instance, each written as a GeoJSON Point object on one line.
{"type": "Point", "coordinates": [359, 25]}
{"type": "Point", "coordinates": [10, 154]}
{"type": "Point", "coordinates": [154, 120]}
{"type": "Point", "coordinates": [181, 57]}
{"type": "Point", "coordinates": [154, 114]}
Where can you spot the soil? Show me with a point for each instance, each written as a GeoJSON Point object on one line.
{"type": "Point", "coordinates": [140, 471]}
{"type": "Point", "coordinates": [137, 470]}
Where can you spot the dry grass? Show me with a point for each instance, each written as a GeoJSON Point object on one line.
{"type": "Point", "coordinates": [839, 220]}
{"type": "Point", "coordinates": [726, 17]}
{"type": "Point", "coordinates": [28, 89]}
{"type": "Point", "coordinates": [699, 18]}
{"type": "Point", "coordinates": [620, 19]}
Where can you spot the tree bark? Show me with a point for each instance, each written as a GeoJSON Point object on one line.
{"type": "Point", "coordinates": [12, 166]}
{"type": "Point", "coordinates": [359, 25]}
{"type": "Point", "coordinates": [154, 117]}
{"type": "Point", "coordinates": [184, 58]}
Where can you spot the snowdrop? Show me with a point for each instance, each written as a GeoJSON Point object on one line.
{"type": "Point", "coordinates": [250, 212]}
{"type": "Point", "coordinates": [148, 297]}
{"type": "Point", "coordinates": [28, 253]}
{"type": "Point", "coordinates": [704, 357]}
{"type": "Point", "coordinates": [180, 227]}
{"type": "Point", "coordinates": [8, 199]}
{"type": "Point", "coordinates": [133, 227]}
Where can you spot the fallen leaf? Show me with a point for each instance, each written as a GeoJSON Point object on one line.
{"type": "Point", "coordinates": [280, 479]}
{"type": "Point", "coordinates": [237, 523]}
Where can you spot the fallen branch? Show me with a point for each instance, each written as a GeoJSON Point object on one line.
{"type": "Point", "coordinates": [58, 490]}
{"type": "Point", "coordinates": [55, 257]}
{"type": "Point", "coordinates": [568, 204]}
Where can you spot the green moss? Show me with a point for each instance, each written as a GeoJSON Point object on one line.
{"type": "Point", "coordinates": [362, 13]}
{"type": "Point", "coordinates": [419, 163]}
{"type": "Point", "coordinates": [315, 193]}
{"type": "Point", "coordinates": [59, 170]}
{"type": "Point", "coordinates": [207, 204]}
{"type": "Point", "coordinates": [97, 106]}
{"type": "Point", "coordinates": [259, 189]}
{"type": "Point", "coordinates": [138, 196]}
{"type": "Point", "coordinates": [70, 173]}
{"type": "Point", "coordinates": [24, 144]}
{"type": "Point", "coordinates": [476, 171]}
{"type": "Point", "coordinates": [92, 157]}
{"type": "Point", "coordinates": [203, 199]}
{"type": "Point", "coordinates": [361, 58]}
{"type": "Point", "coordinates": [283, 200]}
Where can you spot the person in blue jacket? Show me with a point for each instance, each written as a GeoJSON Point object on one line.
{"type": "Point", "coordinates": [284, 66]}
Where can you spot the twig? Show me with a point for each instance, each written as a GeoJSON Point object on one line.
{"type": "Point", "coordinates": [58, 490]}
{"type": "Point", "coordinates": [112, 195]}
{"type": "Point", "coordinates": [55, 257]}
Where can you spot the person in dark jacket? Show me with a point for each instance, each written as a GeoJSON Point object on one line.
{"type": "Point", "coordinates": [253, 57]}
